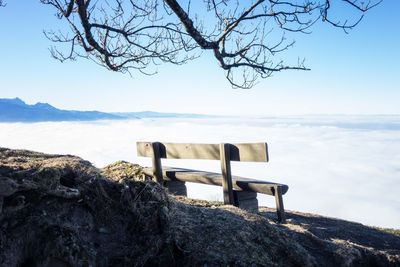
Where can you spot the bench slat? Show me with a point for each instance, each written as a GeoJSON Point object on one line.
{"type": "Point", "coordinates": [251, 152]}
{"type": "Point", "coordinates": [212, 178]}
{"type": "Point", "coordinates": [181, 151]}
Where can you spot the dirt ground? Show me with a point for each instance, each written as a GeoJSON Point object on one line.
{"type": "Point", "coordinates": [59, 210]}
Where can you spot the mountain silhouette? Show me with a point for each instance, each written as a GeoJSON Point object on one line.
{"type": "Point", "coordinates": [16, 110]}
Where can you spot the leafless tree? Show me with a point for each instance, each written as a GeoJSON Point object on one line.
{"type": "Point", "coordinates": [245, 37]}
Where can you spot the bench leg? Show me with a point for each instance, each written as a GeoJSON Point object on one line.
{"type": "Point", "coordinates": [280, 210]}
{"type": "Point", "coordinates": [246, 200]}
{"type": "Point", "coordinates": [176, 188]}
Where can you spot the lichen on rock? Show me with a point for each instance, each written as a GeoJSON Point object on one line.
{"type": "Point", "coordinates": [122, 171]}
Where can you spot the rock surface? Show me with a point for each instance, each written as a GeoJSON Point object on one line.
{"type": "Point", "coordinates": [62, 211]}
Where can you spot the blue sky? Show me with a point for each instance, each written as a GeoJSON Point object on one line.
{"type": "Point", "coordinates": [356, 73]}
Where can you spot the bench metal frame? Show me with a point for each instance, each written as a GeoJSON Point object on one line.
{"type": "Point", "coordinates": [233, 186]}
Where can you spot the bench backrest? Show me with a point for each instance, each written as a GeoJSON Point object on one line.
{"type": "Point", "coordinates": [251, 152]}
{"type": "Point", "coordinates": [225, 153]}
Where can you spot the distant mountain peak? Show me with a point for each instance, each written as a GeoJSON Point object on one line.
{"type": "Point", "coordinates": [43, 105]}
{"type": "Point", "coordinates": [15, 101]}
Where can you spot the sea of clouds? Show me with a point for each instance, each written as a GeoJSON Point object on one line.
{"type": "Point", "coordinates": [339, 166]}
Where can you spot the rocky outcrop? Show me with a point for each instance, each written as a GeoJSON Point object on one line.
{"type": "Point", "coordinates": [62, 211]}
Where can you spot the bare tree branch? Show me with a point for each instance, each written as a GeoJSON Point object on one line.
{"type": "Point", "coordinates": [245, 37]}
{"type": "Point", "coordinates": [123, 36]}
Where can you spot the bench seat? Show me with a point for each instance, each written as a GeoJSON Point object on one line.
{"type": "Point", "coordinates": [212, 178]}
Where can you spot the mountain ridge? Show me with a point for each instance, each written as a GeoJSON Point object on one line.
{"type": "Point", "coordinates": [16, 110]}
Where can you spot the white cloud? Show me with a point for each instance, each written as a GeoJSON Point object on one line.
{"type": "Point", "coordinates": [351, 171]}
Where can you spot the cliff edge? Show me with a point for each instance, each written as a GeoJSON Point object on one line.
{"type": "Point", "coordinates": [60, 210]}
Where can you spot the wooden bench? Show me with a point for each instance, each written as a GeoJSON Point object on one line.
{"type": "Point", "coordinates": [238, 191]}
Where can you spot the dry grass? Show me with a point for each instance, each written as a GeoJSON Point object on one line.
{"type": "Point", "coordinates": [390, 231]}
